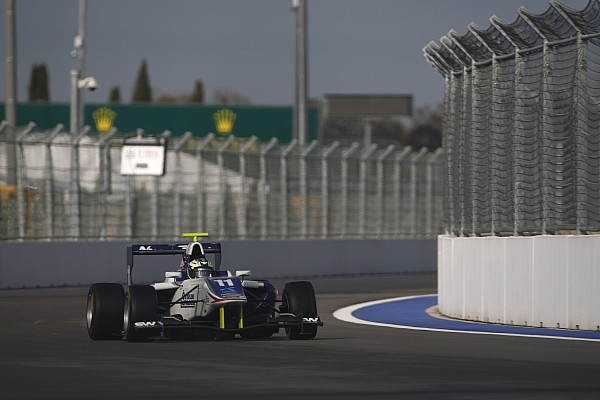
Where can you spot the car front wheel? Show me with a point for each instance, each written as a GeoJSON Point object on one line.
{"type": "Point", "coordinates": [299, 299]}
{"type": "Point", "coordinates": [141, 306]}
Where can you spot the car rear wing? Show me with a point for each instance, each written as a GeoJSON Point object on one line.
{"type": "Point", "coordinates": [167, 249]}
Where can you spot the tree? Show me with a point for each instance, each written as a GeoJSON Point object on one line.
{"type": "Point", "coordinates": [37, 90]}
{"type": "Point", "coordinates": [198, 93]}
{"type": "Point", "coordinates": [429, 115]}
{"type": "Point", "coordinates": [229, 96]}
{"type": "Point", "coordinates": [388, 131]}
{"type": "Point", "coordinates": [425, 136]}
{"type": "Point", "coordinates": [115, 95]}
{"type": "Point", "coordinates": [169, 98]}
{"type": "Point", "coordinates": [427, 127]}
{"type": "Point", "coordinates": [197, 96]}
{"type": "Point", "coordinates": [142, 92]}
{"type": "Point", "coordinates": [341, 129]}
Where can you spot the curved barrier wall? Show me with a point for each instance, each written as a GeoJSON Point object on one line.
{"type": "Point", "coordinates": [541, 281]}
{"type": "Point", "coordinates": [47, 264]}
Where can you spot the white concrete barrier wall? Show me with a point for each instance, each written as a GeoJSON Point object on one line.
{"type": "Point", "coordinates": [541, 281]}
{"type": "Point", "coordinates": [46, 264]}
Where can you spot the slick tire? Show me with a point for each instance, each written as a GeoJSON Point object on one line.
{"type": "Point", "coordinates": [141, 305]}
{"type": "Point", "coordinates": [299, 298]}
{"type": "Point", "coordinates": [104, 311]}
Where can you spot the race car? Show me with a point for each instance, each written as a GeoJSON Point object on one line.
{"type": "Point", "coordinates": [198, 301]}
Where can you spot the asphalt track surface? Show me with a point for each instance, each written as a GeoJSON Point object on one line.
{"type": "Point", "coordinates": [45, 353]}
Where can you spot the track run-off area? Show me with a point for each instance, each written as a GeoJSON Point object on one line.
{"type": "Point", "coordinates": [421, 313]}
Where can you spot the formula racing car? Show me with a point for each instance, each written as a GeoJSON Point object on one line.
{"type": "Point", "coordinates": [198, 301]}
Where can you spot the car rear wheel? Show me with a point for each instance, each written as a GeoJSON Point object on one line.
{"type": "Point", "coordinates": [299, 299]}
{"type": "Point", "coordinates": [104, 311]}
{"type": "Point", "coordinates": [141, 305]}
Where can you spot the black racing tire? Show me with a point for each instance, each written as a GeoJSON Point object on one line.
{"type": "Point", "coordinates": [141, 305]}
{"type": "Point", "coordinates": [104, 311]}
{"type": "Point", "coordinates": [299, 299]}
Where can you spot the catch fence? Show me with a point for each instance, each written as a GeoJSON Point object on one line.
{"type": "Point", "coordinates": [58, 186]}
{"type": "Point", "coordinates": [522, 123]}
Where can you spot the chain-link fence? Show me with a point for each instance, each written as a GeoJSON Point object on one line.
{"type": "Point", "coordinates": [522, 123]}
{"type": "Point", "coordinates": [57, 186]}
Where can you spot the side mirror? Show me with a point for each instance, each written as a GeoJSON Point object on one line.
{"type": "Point", "coordinates": [243, 273]}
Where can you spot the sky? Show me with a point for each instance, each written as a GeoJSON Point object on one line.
{"type": "Point", "coordinates": [248, 46]}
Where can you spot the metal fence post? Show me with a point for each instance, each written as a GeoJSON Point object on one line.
{"type": "Point", "coordinates": [429, 206]}
{"type": "Point", "coordinates": [325, 188]}
{"type": "Point", "coordinates": [75, 200]}
{"type": "Point", "coordinates": [397, 213]}
{"type": "Point", "coordinates": [129, 193]}
{"type": "Point", "coordinates": [413, 189]}
{"type": "Point", "coordinates": [128, 208]}
{"type": "Point", "coordinates": [49, 182]}
{"type": "Point", "coordinates": [223, 185]}
{"type": "Point", "coordinates": [284, 194]}
{"type": "Point", "coordinates": [303, 190]}
{"type": "Point", "coordinates": [154, 208]}
{"type": "Point", "coordinates": [177, 206]}
{"type": "Point", "coordinates": [105, 177]}
{"type": "Point", "coordinates": [201, 184]}
{"type": "Point", "coordinates": [517, 184]}
{"type": "Point", "coordinates": [242, 213]}
{"type": "Point", "coordinates": [465, 178]}
{"type": "Point", "coordinates": [379, 196]}
{"type": "Point", "coordinates": [344, 176]}
{"type": "Point", "coordinates": [362, 188]}
{"type": "Point", "coordinates": [582, 149]}
{"type": "Point", "coordinates": [264, 188]}
{"type": "Point", "coordinates": [20, 187]}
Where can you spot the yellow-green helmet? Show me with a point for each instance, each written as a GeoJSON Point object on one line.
{"type": "Point", "coordinates": [199, 267]}
{"type": "Point", "coordinates": [200, 263]}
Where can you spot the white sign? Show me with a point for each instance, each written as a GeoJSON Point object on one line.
{"type": "Point", "coordinates": [143, 160]}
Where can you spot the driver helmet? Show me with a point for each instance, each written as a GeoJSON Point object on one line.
{"type": "Point", "coordinates": [199, 267]}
